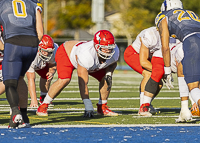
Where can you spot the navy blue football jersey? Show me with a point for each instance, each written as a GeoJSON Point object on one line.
{"type": "Point", "coordinates": [181, 23]}
{"type": "Point", "coordinates": [18, 17]}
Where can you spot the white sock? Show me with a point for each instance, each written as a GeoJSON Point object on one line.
{"type": "Point", "coordinates": [88, 105]}
{"type": "Point", "coordinates": [147, 99]}
{"type": "Point", "coordinates": [47, 99]}
{"type": "Point", "coordinates": [141, 98]}
{"type": "Point", "coordinates": [102, 101]}
{"type": "Point", "coordinates": [183, 88]}
{"type": "Point", "coordinates": [195, 94]}
{"type": "Point", "coordinates": [184, 104]}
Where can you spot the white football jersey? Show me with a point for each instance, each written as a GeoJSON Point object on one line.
{"type": "Point", "coordinates": [87, 56]}
{"type": "Point", "coordinates": [176, 51]}
{"type": "Point", "coordinates": [150, 37]}
{"type": "Point", "coordinates": [39, 64]}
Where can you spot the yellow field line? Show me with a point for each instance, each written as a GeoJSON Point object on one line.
{"type": "Point", "coordinates": [29, 117]}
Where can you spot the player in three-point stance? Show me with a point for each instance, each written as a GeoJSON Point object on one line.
{"type": "Point", "coordinates": [45, 66]}
{"type": "Point", "coordinates": [97, 58]}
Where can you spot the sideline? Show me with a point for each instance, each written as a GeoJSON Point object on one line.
{"type": "Point", "coordinates": [111, 125]}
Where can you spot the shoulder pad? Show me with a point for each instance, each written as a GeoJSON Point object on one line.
{"type": "Point", "coordinates": [159, 18]}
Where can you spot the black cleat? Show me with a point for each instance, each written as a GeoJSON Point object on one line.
{"type": "Point", "coordinates": [15, 118]}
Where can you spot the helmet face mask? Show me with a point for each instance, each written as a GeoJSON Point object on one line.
{"type": "Point", "coordinates": [46, 48]}
{"type": "Point", "coordinates": [104, 44]}
{"type": "Point", "coordinates": [171, 4]}
{"type": "Point", "coordinates": [105, 55]}
{"type": "Point", "coordinates": [45, 57]}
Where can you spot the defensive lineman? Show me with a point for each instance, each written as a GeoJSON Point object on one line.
{"type": "Point", "coordinates": [97, 58]}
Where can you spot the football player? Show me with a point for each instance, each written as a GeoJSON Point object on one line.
{"type": "Point", "coordinates": [22, 32]}
{"type": "Point", "coordinates": [145, 57]}
{"type": "Point", "coordinates": [177, 55]}
{"type": "Point", "coordinates": [45, 66]}
{"type": "Point", "coordinates": [21, 88]}
{"type": "Point", "coordinates": [184, 25]}
{"type": "Point", "coordinates": [97, 58]}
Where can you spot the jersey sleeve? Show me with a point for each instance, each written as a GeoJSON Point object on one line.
{"type": "Point", "coordinates": [52, 60]}
{"type": "Point", "coordinates": [115, 57]}
{"type": "Point", "coordinates": [159, 18]}
{"type": "Point", "coordinates": [31, 69]}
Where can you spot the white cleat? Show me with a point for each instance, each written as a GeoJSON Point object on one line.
{"type": "Point", "coordinates": [185, 116]}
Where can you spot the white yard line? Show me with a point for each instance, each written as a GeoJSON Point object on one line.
{"type": "Point", "coordinates": [128, 98]}
{"type": "Point", "coordinates": [7, 108]}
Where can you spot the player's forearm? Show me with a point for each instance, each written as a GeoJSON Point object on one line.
{"type": "Point", "coordinates": [84, 92]}
{"type": "Point", "coordinates": [39, 25]}
{"type": "Point", "coordinates": [111, 67]}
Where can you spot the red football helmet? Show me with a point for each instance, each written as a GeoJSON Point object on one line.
{"type": "Point", "coordinates": [104, 39]}
{"type": "Point", "coordinates": [46, 45]}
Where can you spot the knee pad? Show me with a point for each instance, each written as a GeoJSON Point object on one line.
{"type": "Point", "coordinates": [151, 86]}
{"type": "Point", "coordinates": [10, 82]}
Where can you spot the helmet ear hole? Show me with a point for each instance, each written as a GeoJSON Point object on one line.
{"type": "Point", "coordinates": [104, 39]}
{"type": "Point", "coordinates": [46, 45]}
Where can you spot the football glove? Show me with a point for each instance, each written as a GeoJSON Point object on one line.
{"type": "Point", "coordinates": [108, 79]}
{"type": "Point", "coordinates": [88, 114]}
{"type": "Point", "coordinates": [168, 79]}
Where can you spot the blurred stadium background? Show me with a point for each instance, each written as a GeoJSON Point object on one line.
{"type": "Point", "coordinates": [80, 19]}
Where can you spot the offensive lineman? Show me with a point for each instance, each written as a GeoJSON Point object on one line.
{"type": "Point", "coordinates": [97, 58]}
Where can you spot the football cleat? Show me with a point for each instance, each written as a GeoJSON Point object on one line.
{"type": "Point", "coordinates": [42, 110]}
{"type": "Point", "coordinates": [16, 118]}
{"type": "Point", "coordinates": [89, 114]}
{"type": "Point", "coordinates": [185, 116]}
{"type": "Point", "coordinates": [195, 112]}
{"type": "Point", "coordinates": [25, 125]}
{"type": "Point", "coordinates": [102, 109]}
{"type": "Point", "coordinates": [144, 110]}
{"type": "Point", "coordinates": [153, 111]}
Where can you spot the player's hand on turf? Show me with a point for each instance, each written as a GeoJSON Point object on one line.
{"type": "Point", "coordinates": [88, 114]}
{"type": "Point", "coordinates": [108, 79]}
{"type": "Point", "coordinates": [168, 79]}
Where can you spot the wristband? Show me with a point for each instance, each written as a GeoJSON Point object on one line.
{"type": "Point", "coordinates": [109, 73]}
{"type": "Point", "coordinates": [167, 70]}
